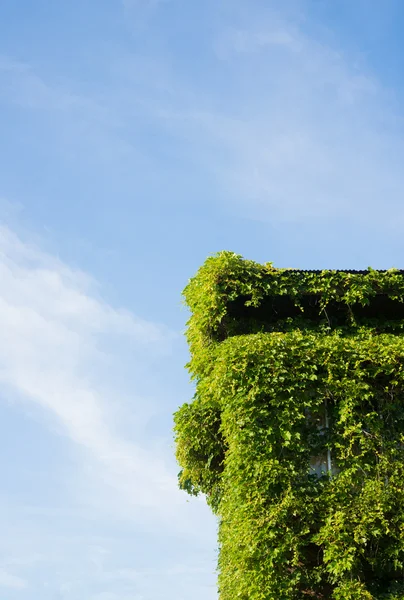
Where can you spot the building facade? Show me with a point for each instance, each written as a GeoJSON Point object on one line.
{"type": "Point", "coordinates": [296, 431]}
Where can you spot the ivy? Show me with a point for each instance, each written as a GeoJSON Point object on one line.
{"type": "Point", "coordinates": [249, 438]}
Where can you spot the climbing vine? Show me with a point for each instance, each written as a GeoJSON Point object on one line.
{"type": "Point", "coordinates": [250, 436]}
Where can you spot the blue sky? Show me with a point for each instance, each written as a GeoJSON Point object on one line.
{"type": "Point", "coordinates": [137, 138]}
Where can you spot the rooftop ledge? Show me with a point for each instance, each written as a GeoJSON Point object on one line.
{"type": "Point", "coordinates": [232, 296]}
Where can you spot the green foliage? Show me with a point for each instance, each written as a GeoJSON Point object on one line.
{"type": "Point", "coordinates": [201, 455]}
{"type": "Point", "coordinates": [249, 437]}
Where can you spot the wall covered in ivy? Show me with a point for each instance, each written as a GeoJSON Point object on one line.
{"type": "Point", "coordinates": [291, 366]}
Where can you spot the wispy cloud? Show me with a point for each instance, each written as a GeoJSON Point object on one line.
{"type": "Point", "coordinates": [292, 127]}
{"type": "Point", "coordinates": [312, 135]}
{"type": "Point", "coordinates": [63, 350]}
{"type": "Point", "coordinates": [139, 12]}
{"type": "Point", "coordinates": [80, 555]}
{"type": "Point", "coordinates": [55, 330]}
{"type": "Point", "coordinates": [78, 125]}
{"type": "Point", "coordinates": [10, 581]}
{"type": "Point", "coordinates": [244, 41]}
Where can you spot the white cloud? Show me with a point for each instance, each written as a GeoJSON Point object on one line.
{"type": "Point", "coordinates": [54, 330]}
{"type": "Point", "coordinates": [307, 130]}
{"type": "Point", "coordinates": [320, 137]}
{"type": "Point", "coordinates": [11, 581]}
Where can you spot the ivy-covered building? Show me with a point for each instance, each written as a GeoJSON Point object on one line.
{"type": "Point", "coordinates": [296, 430]}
